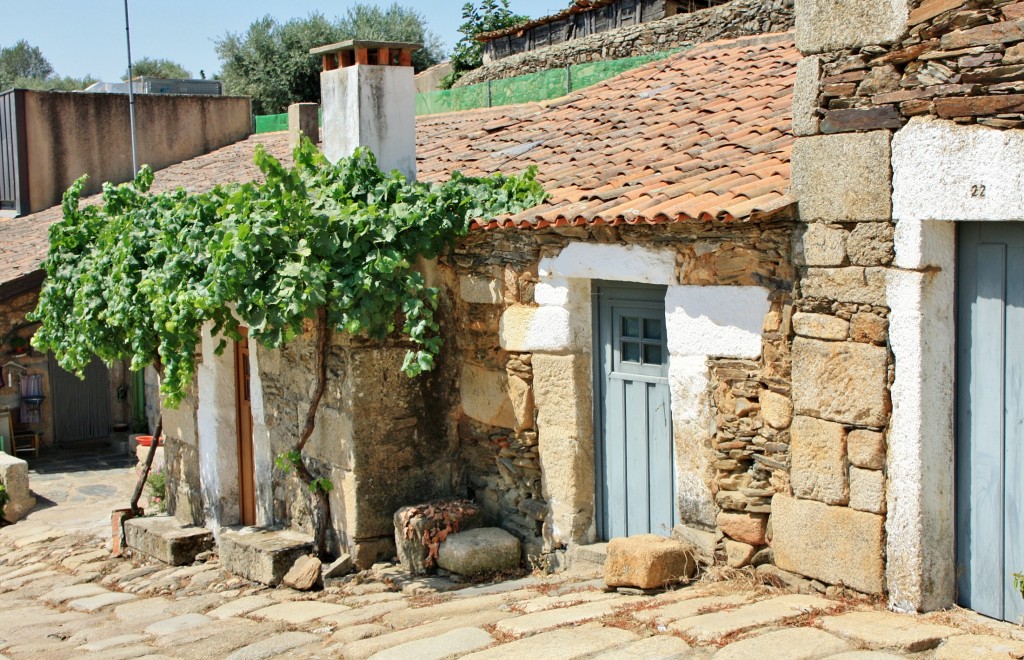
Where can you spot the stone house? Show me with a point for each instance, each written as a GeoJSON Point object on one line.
{"type": "Point", "coordinates": [608, 354]}
{"type": "Point", "coordinates": [580, 19]}
{"type": "Point", "coordinates": [593, 32]}
{"type": "Point", "coordinates": [907, 167]}
{"type": "Point", "coordinates": [835, 348]}
{"type": "Point", "coordinates": [813, 369]}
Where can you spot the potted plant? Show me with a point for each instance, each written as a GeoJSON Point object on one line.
{"type": "Point", "coordinates": [20, 345]}
{"type": "Point", "coordinates": [157, 483]}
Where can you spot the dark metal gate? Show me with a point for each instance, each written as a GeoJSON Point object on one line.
{"type": "Point", "coordinates": [13, 160]}
{"type": "Point", "coordinates": [81, 408]}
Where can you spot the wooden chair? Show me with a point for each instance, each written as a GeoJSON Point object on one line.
{"type": "Point", "coordinates": [26, 441]}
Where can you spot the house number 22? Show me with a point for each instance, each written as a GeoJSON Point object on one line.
{"type": "Point", "coordinates": [978, 190]}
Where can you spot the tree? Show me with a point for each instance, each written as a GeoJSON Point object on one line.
{"type": "Point", "coordinates": [140, 276]}
{"type": "Point", "coordinates": [469, 53]}
{"type": "Point", "coordinates": [55, 83]}
{"type": "Point", "coordinates": [157, 68]}
{"type": "Point", "coordinates": [22, 60]}
{"type": "Point", "coordinates": [271, 62]}
{"type": "Point", "coordinates": [395, 23]}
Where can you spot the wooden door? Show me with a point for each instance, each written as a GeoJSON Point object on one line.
{"type": "Point", "coordinates": [246, 469]}
{"type": "Point", "coordinates": [635, 457]}
{"type": "Point", "coordinates": [990, 417]}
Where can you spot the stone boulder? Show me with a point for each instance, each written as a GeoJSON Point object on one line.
{"type": "Point", "coordinates": [14, 477]}
{"type": "Point", "coordinates": [417, 526]}
{"type": "Point", "coordinates": [750, 528]}
{"type": "Point", "coordinates": [647, 562]}
{"type": "Point", "coordinates": [341, 566]}
{"type": "Point", "coordinates": [479, 551]}
{"type": "Point", "coordinates": [304, 574]}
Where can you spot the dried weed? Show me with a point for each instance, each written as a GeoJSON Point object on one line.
{"type": "Point", "coordinates": [724, 581]}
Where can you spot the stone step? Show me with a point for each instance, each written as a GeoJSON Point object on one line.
{"type": "Point", "coordinates": [588, 557]}
{"type": "Point", "coordinates": [262, 555]}
{"type": "Point", "coordinates": [167, 539]}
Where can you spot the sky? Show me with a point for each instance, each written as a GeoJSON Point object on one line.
{"type": "Point", "coordinates": [81, 37]}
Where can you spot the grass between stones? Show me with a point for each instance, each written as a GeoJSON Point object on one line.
{"type": "Point", "coordinates": [805, 620]}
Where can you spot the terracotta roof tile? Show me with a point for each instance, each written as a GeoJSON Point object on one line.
{"type": "Point", "coordinates": [702, 135]}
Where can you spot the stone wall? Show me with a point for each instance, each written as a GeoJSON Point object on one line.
{"type": "Point", "coordinates": [527, 445]}
{"type": "Point", "coordinates": [957, 61]}
{"type": "Point", "coordinates": [184, 490]}
{"type": "Point", "coordinates": [381, 437]}
{"type": "Point", "coordinates": [901, 111]}
{"type": "Point", "coordinates": [734, 19]}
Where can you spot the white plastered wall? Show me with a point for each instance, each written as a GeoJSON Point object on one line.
{"type": "Point", "coordinates": [702, 322]}
{"type": "Point", "coordinates": [943, 173]}
{"type": "Point", "coordinates": [217, 421]}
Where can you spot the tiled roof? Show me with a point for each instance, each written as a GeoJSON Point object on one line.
{"type": "Point", "coordinates": [702, 135]}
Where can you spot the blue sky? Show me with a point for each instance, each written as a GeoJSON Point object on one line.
{"type": "Point", "coordinates": [82, 37]}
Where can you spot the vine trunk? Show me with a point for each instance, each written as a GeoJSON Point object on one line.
{"type": "Point", "coordinates": [148, 464]}
{"type": "Point", "coordinates": [319, 502]}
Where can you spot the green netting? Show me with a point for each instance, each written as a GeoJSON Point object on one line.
{"type": "Point", "coordinates": [529, 88]}
{"type": "Point", "coordinates": [451, 100]}
{"type": "Point", "coordinates": [591, 73]}
{"type": "Point", "coordinates": [272, 123]}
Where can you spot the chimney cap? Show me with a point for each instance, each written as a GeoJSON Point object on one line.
{"type": "Point", "coordinates": [353, 44]}
{"type": "Point", "coordinates": [352, 52]}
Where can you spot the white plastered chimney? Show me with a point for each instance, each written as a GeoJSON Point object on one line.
{"type": "Point", "coordinates": [369, 100]}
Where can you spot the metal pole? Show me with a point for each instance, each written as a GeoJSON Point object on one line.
{"type": "Point", "coordinates": [131, 92]}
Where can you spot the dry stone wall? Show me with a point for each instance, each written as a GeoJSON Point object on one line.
{"type": "Point", "coordinates": [962, 61]}
{"type": "Point", "coordinates": [504, 408]}
{"type": "Point", "coordinates": [734, 19]}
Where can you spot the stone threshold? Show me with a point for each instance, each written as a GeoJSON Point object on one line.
{"type": "Point", "coordinates": [167, 539]}
{"type": "Point", "coordinates": [261, 554]}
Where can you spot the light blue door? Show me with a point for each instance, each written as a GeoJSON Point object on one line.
{"type": "Point", "coordinates": [990, 417]}
{"type": "Point", "coordinates": [636, 482]}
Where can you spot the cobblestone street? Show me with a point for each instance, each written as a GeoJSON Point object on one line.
{"type": "Point", "coordinates": [62, 596]}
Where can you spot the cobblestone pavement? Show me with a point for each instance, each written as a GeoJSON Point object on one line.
{"type": "Point", "coordinates": [62, 596]}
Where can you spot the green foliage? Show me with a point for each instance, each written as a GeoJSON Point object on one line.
{"type": "Point", "coordinates": [291, 461]}
{"type": "Point", "coordinates": [1018, 583]}
{"type": "Point", "coordinates": [469, 53]}
{"type": "Point", "coordinates": [22, 60]}
{"type": "Point", "coordinates": [139, 276]}
{"type": "Point", "coordinates": [157, 68]}
{"type": "Point", "coordinates": [271, 62]}
{"type": "Point", "coordinates": [321, 484]}
{"type": "Point", "coordinates": [288, 461]}
{"type": "Point", "coordinates": [23, 66]}
{"type": "Point", "coordinates": [4, 498]}
{"type": "Point", "coordinates": [157, 485]}
{"type": "Point", "coordinates": [54, 83]}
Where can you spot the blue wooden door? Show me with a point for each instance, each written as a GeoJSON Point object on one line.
{"type": "Point", "coordinates": [636, 481]}
{"type": "Point", "coordinates": [990, 417]}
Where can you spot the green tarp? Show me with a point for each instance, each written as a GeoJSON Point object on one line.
{"type": "Point", "coordinates": [529, 88]}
